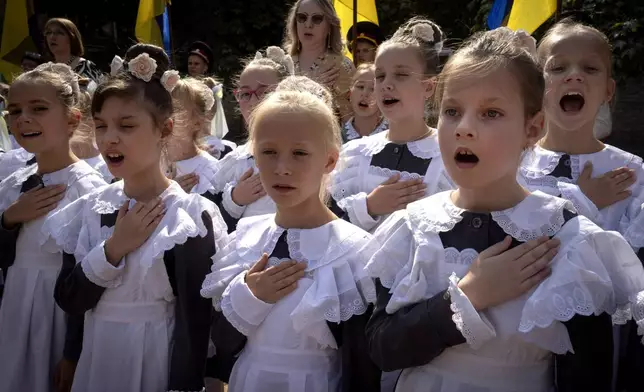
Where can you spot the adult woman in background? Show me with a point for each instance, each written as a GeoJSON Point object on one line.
{"type": "Point", "coordinates": [65, 45]}
{"type": "Point", "coordinates": [314, 41]}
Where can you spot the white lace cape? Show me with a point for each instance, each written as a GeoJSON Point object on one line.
{"type": "Point", "coordinates": [595, 271]}
{"type": "Point", "coordinates": [79, 178]}
{"type": "Point", "coordinates": [625, 216]}
{"type": "Point", "coordinates": [336, 254]}
{"type": "Point", "coordinates": [204, 166]}
{"type": "Point", "coordinates": [77, 229]}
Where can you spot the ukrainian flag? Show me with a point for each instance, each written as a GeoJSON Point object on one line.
{"type": "Point", "coordinates": [528, 15]}
{"type": "Point", "coordinates": [15, 37]}
{"type": "Point", "coordinates": [344, 9]}
{"type": "Point", "coordinates": [152, 25]}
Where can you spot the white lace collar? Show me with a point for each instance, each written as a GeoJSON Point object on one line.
{"type": "Point", "coordinates": [538, 215]}
{"type": "Point", "coordinates": [68, 175]}
{"type": "Point", "coordinates": [317, 247]}
{"type": "Point", "coordinates": [112, 197]}
{"type": "Point", "coordinates": [351, 133]}
{"type": "Point", "coordinates": [424, 148]}
{"type": "Point", "coordinates": [203, 165]}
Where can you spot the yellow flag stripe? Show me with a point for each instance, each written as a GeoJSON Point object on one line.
{"type": "Point", "coordinates": [15, 30]}
{"type": "Point", "coordinates": [147, 29]}
{"type": "Point", "coordinates": [366, 12]}
{"type": "Point", "coordinates": [528, 15]}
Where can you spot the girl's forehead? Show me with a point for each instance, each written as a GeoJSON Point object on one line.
{"type": "Point", "coordinates": [31, 89]}
{"type": "Point", "coordinates": [258, 75]}
{"type": "Point", "coordinates": [577, 44]}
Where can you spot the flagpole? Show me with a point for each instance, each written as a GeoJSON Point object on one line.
{"type": "Point", "coordinates": [354, 44]}
{"type": "Point", "coordinates": [173, 54]}
{"type": "Point", "coordinates": [558, 11]}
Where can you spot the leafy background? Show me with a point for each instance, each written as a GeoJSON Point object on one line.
{"type": "Point", "coordinates": [235, 29]}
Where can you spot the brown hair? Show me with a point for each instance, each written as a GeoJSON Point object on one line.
{"type": "Point", "coordinates": [192, 99]}
{"type": "Point", "coordinates": [58, 76]}
{"type": "Point", "coordinates": [84, 135]}
{"type": "Point", "coordinates": [75, 39]}
{"type": "Point", "coordinates": [487, 52]}
{"type": "Point", "coordinates": [410, 34]}
{"type": "Point", "coordinates": [292, 44]}
{"type": "Point", "coordinates": [156, 99]}
{"type": "Point", "coordinates": [568, 27]}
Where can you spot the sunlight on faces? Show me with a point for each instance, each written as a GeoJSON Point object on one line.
{"type": "Point", "coordinates": [128, 138]}
{"type": "Point", "coordinates": [362, 95]}
{"type": "Point", "coordinates": [37, 118]}
{"type": "Point", "coordinates": [259, 79]}
{"type": "Point", "coordinates": [196, 65]}
{"type": "Point", "coordinates": [308, 32]}
{"type": "Point", "coordinates": [577, 77]}
{"type": "Point", "coordinates": [483, 129]}
{"type": "Point", "coordinates": [292, 153]}
{"type": "Point", "coordinates": [401, 88]}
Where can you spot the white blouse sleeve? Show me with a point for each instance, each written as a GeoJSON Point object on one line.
{"type": "Point", "coordinates": [241, 308]}
{"type": "Point", "coordinates": [579, 200]}
{"type": "Point", "coordinates": [631, 223]}
{"type": "Point", "coordinates": [416, 271]}
{"type": "Point", "coordinates": [597, 273]}
{"type": "Point", "coordinates": [345, 188]}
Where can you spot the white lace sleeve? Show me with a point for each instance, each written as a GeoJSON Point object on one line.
{"type": "Point", "coordinates": [234, 210]}
{"type": "Point", "coordinates": [241, 308]}
{"type": "Point", "coordinates": [99, 271]}
{"type": "Point", "coordinates": [64, 225]}
{"type": "Point", "coordinates": [225, 267]}
{"type": "Point", "coordinates": [345, 185]}
{"type": "Point", "coordinates": [579, 200]}
{"type": "Point", "coordinates": [474, 326]}
{"type": "Point", "coordinates": [594, 273]}
{"type": "Point", "coordinates": [631, 223]}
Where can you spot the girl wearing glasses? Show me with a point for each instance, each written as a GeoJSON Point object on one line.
{"type": "Point", "coordinates": [65, 45]}
{"type": "Point", "coordinates": [238, 189]}
{"type": "Point", "coordinates": [314, 41]}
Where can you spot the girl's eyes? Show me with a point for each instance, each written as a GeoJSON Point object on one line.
{"type": "Point", "coordinates": [40, 108]}
{"type": "Point", "coordinates": [268, 152]}
{"type": "Point", "coordinates": [300, 153]}
{"type": "Point", "coordinates": [491, 113]}
{"type": "Point", "coordinates": [451, 112]}
{"type": "Point", "coordinates": [380, 77]}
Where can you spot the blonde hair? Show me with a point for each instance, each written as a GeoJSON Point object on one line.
{"type": "Point", "coordinates": [334, 41]}
{"type": "Point", "coordinates": [364, 67]}
{"type": "Point", "coordinates": [273, 58]}
{"type": "Point", "coordinates": [192, 98]}
{"type": "Point", "coordinates": [83, 140]}
{"type": "Point", "coordinates": [568, 27]}
{"type": "Point", "coordinates": [300, 102]}
{"type": "Point", "coordinates": [306, 84]}
{"type": "Point", "coordinates": [486, 52]}
{"type": "Point", "coordinates": [423, 35]}
{"type": "Point", "coordinates": [58, 76]}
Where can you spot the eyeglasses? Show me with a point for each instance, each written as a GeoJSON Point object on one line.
{"type": "Point", "coordinates": [303, 18]}
{"type": "Point", "coordinates": [245, 95]}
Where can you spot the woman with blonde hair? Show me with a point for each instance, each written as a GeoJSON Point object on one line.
{"type": "Point", "coordinates": [314, 41]}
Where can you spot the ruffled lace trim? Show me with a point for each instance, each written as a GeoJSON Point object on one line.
{"type": "Point", "coordinates": [435, 214]}
{"type": "Point", "coordinates": [228, 310]}
{"type": "Point", "coordinates": [474, 338]}
{"type": "Point", "coordinates": [232, 166]}
{"type": "Point", "coordinates": [385, 172]}
{"type": "Point", "coordinates": [547, 229]}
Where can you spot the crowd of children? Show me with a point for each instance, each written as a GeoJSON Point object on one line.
{"type": "Point", "coordinates": [494, 251]}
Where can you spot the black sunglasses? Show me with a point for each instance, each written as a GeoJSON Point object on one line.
{"type": "Point", "coordinates": [315, 18]}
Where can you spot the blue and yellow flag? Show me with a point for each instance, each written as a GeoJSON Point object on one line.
{"type": "Point", "coordinates": [152, 26]}
{"type": "Point", "coordinates": [344, 9]}
{"type": "Point", "coordinates": [15, 38]}
{"type": "Point", "coordinates": [528, 15]}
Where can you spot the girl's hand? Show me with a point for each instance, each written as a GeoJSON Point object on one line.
{"type": "Point", "coordinates": [393, 195]}
{"type": "Point", "coordinates": [276, 282]}
{"type": "Point", "coordinates": [606, 189]}
{"type": "Point", "coordinates": [329, 76]}
{"type": "Point", "coordinates": [64, 375]}
{"type": "Point", "coordinates": [133, 227]}
{"type": "Point", "coordinates": [248, 190]}
{"type": "Point", "coordinates": [499, 275]}
{"type": "Point", "coordinates": [187, 181]}
{"type": "Point", "coordinates": [33, 204]}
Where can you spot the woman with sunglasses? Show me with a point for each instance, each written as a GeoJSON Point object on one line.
{"type": "Point", "coordinates": [314, 41]}
{"type": "Point", "coordinates": [65, 45]}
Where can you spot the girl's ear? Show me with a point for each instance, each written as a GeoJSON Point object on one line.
{"type": "Point", "coordinates": [610, 90]}
{"type": "Point", "coordinates": [74, 119]}
{"type": "Point", "coordinates": [535, 128]}
{"type": "Point", "coordinates": [430, 87]}
{"type": "Point", "coordinates": [166, 128]}
{"type": "Point", "coordinates": [332, 160]}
